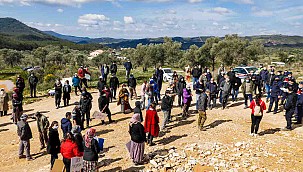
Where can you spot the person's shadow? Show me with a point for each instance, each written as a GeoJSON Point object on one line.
{"type": "Point", "coordinates": [269, 131]}
{"type": "Point", "coordinates": [216, 123]}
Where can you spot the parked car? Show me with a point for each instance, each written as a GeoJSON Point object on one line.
{"type": "Point", "coordinates": [243, 71]}
{"type": "Point", "coordinates": [167, 74]}
{"type": "Point", "coordinates": [35, 68]}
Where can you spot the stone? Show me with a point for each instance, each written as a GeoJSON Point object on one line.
{"type": "Point", "coordinates": [238, 144]}
{"type": "Point", "coordinates": [154, 163]}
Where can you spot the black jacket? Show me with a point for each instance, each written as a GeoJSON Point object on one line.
{"type": "Point", "coordinates": [132, 82]}
{"type": "Point", "coordinates": [53, 144]}
{"type": "Point", "coordinates": [101, 85]}
{"type": "Point", "coordinates": [167, 103]}
{"type": "Point", "coordinates": [137, 109]}
{"type": "Point", "coordinates": [137, 133]}
{"type": "Point", "coordinates": [85, 104]}
{"type": "Point", "coordinates": [181, 85]}
{"type": "Point", "coordinates": [236, 84]}
{"type": "Point", "coordinates": [114, 82]}
{"type": "Point", "coordinates": [58, 88]}
{"type": "Point", "coordinates": [202, 102]}
{"type": "Point", "coordinates": [113, 68]}
{"type": "Point", "coordinates": [103, 101]}
{"type": "Point", "coordinates": [24, 131]}
{"type": "Point", "coordinates": [291, 101]}
{"type": "Point", "coordinates": [91, 154]}
{"type": "Point", "coordinates": [32, 80]}
{"type": "Point", "coordinates": [196, 72]}
{"type": "Point", "coordinates": [67, 89]}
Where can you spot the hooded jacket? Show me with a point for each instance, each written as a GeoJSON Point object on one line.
{"type": "Point", "coordinates": [167, 103]}
{"type": "Point", "coordinates": [66, 125]}
{"type": "Point", "coordinates": [114, 82]}
{"type": "Point", "coordinates": [42, 123]}
{"type": "Point", "coordinates": [76, 81]}
{"type": "Point", "coordinates": [24, 131]}
{"type": "Point", "coordinates": [132, 82]}
{"type": "Point", "coordinates": [202, 102]}
{"type": "Point", "coordinates": [53, 144]}
{"type": "Point", "coordinates": [69, 149]}
{"type": "Point", "coordinates": [186, 96]}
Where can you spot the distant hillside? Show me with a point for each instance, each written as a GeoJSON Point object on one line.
{"type": "Point", "coordinates": [17, 35]}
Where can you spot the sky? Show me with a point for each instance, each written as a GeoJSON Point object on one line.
{"type": "Point", "coordinates": [157, 18]}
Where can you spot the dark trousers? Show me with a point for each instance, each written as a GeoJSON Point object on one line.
{"type": "Point", "coordinates": [77, 88]}
{"type": "Point", "coordinates": [255, 122]}
{"type": "Point", "coordinates": [299, 114]}
{"type": "Point", "coordinates": [67, 163]}
{"type": "Point", "coordinates": [259, 88]}
{"type": "Point", "coordinates": [3, 113]}
{"type": "Point", "coordinates": [272, 101]}
{"type": "Point", "coordinates": [53, 158]}
{"type": "Point", "coordinates": [66, 97]}
{"type": "Point", "coordinates": [33, 88]}
{"type": "Point", "coordinates": [87, 117]}
{"type": "Point", "coordinates": [109, 114]}
{"type": "Point", "coordinates": [83, 81]}
{"type": "Point", "coordinates": [57, 99]}
{"type": "Point", "coordinates": [180, 99]}
{"type": "Point", "coordinates": [246, 97]}
{"type": "Point", "coordinates": [24, 144]}
{"type": "Point", "coordinates": [185, 110]}
{"type": "Point", "coordinates": [150, 138]}
{"type": "Point", "coordinates": [213, 99]}
{"type": "Point", "coordinates": [114, 92]}
{"type": "Point", "coordinates": [43, 138]}
{"type": "Point", "coordinates": [224, 101]}
{"type": "Point", "coordinates": [288, 116]}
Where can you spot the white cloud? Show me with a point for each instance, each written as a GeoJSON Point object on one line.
{"type": "Point", "coordinates": [128, 20]}
{"type": "Point", "coordinates": [222, 11]}
{"type": "Point", "coordinates": [261, 13]}
{"type": "Point", "coordinates": [194, 1]}
{"type": "Point", "coordinates": [92, 19]}
{"type": "Point", "coordinates": [225, 28]}
{"type": "Point", "coordinates": [241, 1]}
{"type": "Point", "coordinates": [60, 10]}
{"type": "Point", "coordinates": [215, 23]}
{"type": "Point", "coordinates": [53, 2]}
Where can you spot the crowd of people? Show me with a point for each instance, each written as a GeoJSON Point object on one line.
{"type": "Point", "coordinates": [274, 85]}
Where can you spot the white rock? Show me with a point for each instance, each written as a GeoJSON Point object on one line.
{"type": "Point", "coordinates": [154, 163]}
{"type": "Point", "coordinates": [238, 144]}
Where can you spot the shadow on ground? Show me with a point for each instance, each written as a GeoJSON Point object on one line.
{"type": "Point", "coordinates": [216, 123]}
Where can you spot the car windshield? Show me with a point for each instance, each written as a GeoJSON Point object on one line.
{"type": "Point", "coordinates": [252, 69]}
{"type": "Point", "coordinates": [168, 71]}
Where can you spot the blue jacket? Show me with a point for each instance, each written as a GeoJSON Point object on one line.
{"type": "Point", "coordinates": [155, 86]}
{"type": "Point", "coordinates": [300, 100]}
{"type": "Point", "coordinates": [208, 76]}
{"type": "Point", "coordinates": [66, 125]}
{"type": "Point", "coordinates": [264, 75]}
{"type": "Point", "coordinates": [76, 81]}
{"type": "Point", "coordinates": [276, 89]}
{"type": "Point", "coordinates": [213, 88]}
{"type": "Point", "coordinates": [128, 65]}
{"type": "Point", "coordinates": [199, 86]}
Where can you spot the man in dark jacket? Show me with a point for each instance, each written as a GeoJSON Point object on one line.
{"type": "Point", "coordinates": [202, 106]}
{"type": "Point", "coordinates": [290, 107]}
{"type": "Point", "coordinates": [77, 117]}
{"type": "Point", "coordinates": [181, 84]}
{"type": "Point", "coordinates": [25, 134]}
{"type": "Point", "coordinates": [86, 105]}
{"type": "Point", "coordinates": [138, 110]}
{"type": "Point", "coordinates": [104, 72]}
{"type": "Point", "coordinates": [66, 124]}
{"type": "Point", "coordinates": [159, 74]}
{"type": "Point", "coordinates": [67, 89]}
{"type": "Point", "coordinates": [42, 124]}
{"type": "Point", "coordinates": [114, 84]}
{"type": "Point", "coordinates": [220, 79]}
{"type": "Point", "coordinates": [268, 83]}
{"type": "Point", "coordinates": [20, 84]}
{"type": "Point", "coordinates": [113, 68]}
{"type": "Point", "coordinates": [264, 76]}
{"type": "Point", "coordinates": [200, 88]}
{"type": "Point", "coordinates": [196, 74]}
{"type": "Point", "coordinates": [132, 83]}
{"type": "Point", "coordinates": [58, 93]}
{"type": "Point", "coordinates": [256, 79]}
{"type": "Point", "coordinates": [167, 104]}
{"type": "Point", "coordinates": [275, 95]}
{"type": "Point", "coordinates": [213, 90]}
{"type": "Point", "coordinates": [103, 107]}
{"type": "Point", "coordinates": [128, 67]}
{"type": "Point", "coordinates": [33, 80]}
{"type": "Point", "coordinates": [300, 104]}
{"type": "Point", "coordinates": [225, 87]}
{"type": "Point", "coordinates": [101, 84]}
{"type": "Point", "coordinates": [235, 88]}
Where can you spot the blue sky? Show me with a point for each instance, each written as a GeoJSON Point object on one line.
{"type": "Point", "coordinates": [155, 18]}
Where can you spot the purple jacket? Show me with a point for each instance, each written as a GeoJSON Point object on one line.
{"type": "Point", "coordinates": [186, 96]}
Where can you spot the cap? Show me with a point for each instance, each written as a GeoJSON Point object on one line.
{"type": "Point", "coordinates": [23, 116]}
{"type": "Point", "coordinates": [100, 77]}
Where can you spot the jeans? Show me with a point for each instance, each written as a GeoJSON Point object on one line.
{"type": "Point", "coordinates": [43, 138]}
{"type": "Point", "coordinates": [201, 119]}
{"type": "Point", "coordinates": [288, 116]}
{"type": "Point", "coordinates": [113, 91]}
{"type": "Point", "coordinates": [53, 158]}
{"type": "Point", "coordinates": [197, 99]}
{"type": "Point", "coordinates": [246, 97]}
{"type": "Point", "coordinates": [220, 97]}
{"type": "Point", "coordinates": [165, 119]}
{"type": "Point", "coordinates": [212, 98]}
{"type": "Point", "coordinates": [185, 110]}
{"type": "Point", "coordinates": [150, 138]}
{"type": "Point", "coordinates": [142, 101]}
{"type": "Point", "coordinates": [235, 93]}
{"type": "Point", "coordinates": [255, 122]}
{"type": "Point", "coordinates": [195, 80]}
{"type": "Point", "coordinates": [272, 101]}
{"type": "Point", "coordinates": [149, 102]}
{"type": "Point", "coordinates": [87, 116]}
{"type": "Point", "coordinates": [224, 101]}
{"type": "Point", "coordinates": [267, 87]}
{"type": "Point", "coordinates": [24, 144]}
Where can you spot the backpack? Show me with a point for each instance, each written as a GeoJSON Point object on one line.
{"type": "Point", "coordinates": [257, 111]}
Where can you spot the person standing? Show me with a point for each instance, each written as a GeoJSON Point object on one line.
{"type": "Point", "coordinates": [225, 87]}
{"type": "Point", "coordinates": [275, 95]}
{"type": "Point", "coordinates": [76, 131]}
{"type": "Point", "coordinates": [3, 102]}
{"type": "Point", "coordinates": [138, 110]}
{"type": "Point", "coordinates": [202, 106]}
{"type": "Point", "coordinates": [196, 74]}
{"type": "Point", "coordinates": [138, 137]}
{"type": "Point", "coordinates": [213, 89]}
{"type": "Point", "coordinates": [220, 79]}
{"type": "Point", "coordinates": [86, 104]}
{"type": "Point", "coordinates": [132, 83]}
{"type": "Point", "coordinates": [66, 124]}
{"type": "Point", "coordinates": [91, 151]}
{"type": "Point", "coordinates": [114, 85]}
{"type": "Point", "coordinates": [69, 149]}
{"type": "Point", "coordinates": [104, 107]}
{"type": "Point", "coordinates": [300, 104]}
{"type": "Point", "coordinates": [264, 77]}
{"type": "Point", "coordinates": [200, 88]}
{"type": "Point", "coordinates": [268, 84]}
{"type": "Point", "coordinates": [208, 75]}
{"type": "Point", "coordinates": [33, 81]}
{"type": "Point", "coordinates": [124, 99]}
{"type": "Point", "coordinates": [20, 84]}
{"type": "Point", "coordinates": [221, 69]}
{"type": "Point", "coordinates": [76, 83]}
{"type": "Point", "coordinates": [159, 75]}
{"type": "Point", "coordinates": [53, 144]}
{"type": "Point", "coordinates": [290, 107]}
{"type": "Point", "coordinates": [42, 124]}
{"type": "Point", "coordinates": [58, 93]}
{"type": "Point", "coordinates": [17, 108]}
{"type": "Point", "coordinates": [235, 88]}
{"type": "Point", "coordinates": [101, 84]}
{"type": "Point", "coordinates": [181, 84]}
{"type": "Point", "coordinates": [151, 124]}
{"type": "Point", "coordinates": [247, 89]}
{"type": "Point", "coordinates": [77, 117]}
{"type": "Point", "coordinates": [143, 93]}
{"type": "Point", "coordinates": [25, 134]}
{"type": "Point", "coordinates": [128, 67]}
{"type": "Point", "coordinates": [166, 106]}
{"type": "Point", "coordinates": [187, 98]}
{"type": "Point", "coordinates": [67, 89]}
{"type": "Point", "coordinates": [105, 72]}
{"type": "Point", "coordinates": [113, 68]}
{"type": "Point", "coordinates": [81, 73]}
{"type": "Point", "coordinates": [257, 107]}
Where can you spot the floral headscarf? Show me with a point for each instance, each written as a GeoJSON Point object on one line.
{"type": "Point", "coordinates": [90, 134]}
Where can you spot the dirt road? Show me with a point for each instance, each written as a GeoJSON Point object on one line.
{"type": "Point", "coordinates": [224, 126]}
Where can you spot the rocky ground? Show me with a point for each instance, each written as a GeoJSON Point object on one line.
{"type": "Point", "coordinates": [224, 146]}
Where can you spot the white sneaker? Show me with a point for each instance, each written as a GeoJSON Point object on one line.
{"type": "Point", "coordinates": [251, 134]}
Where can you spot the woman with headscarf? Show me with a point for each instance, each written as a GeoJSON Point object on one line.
{"type": "Point", "coordinates": [124, 99]}
{"type": "Point", "coordinates": [3, 102]}
{"type": "Point", "coordinates": [187, 98]}
{"type": "Point", "coordinates": [151, 123]}
{"type": "Point", "coordinates": [138, 137]}
{"type": "Point", "coordinates": [53, 144]}
{"type": "Point", "coordinates": [91, 150]}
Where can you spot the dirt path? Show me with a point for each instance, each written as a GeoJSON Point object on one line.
{"type": "Point", "coordinates": [227, 127]}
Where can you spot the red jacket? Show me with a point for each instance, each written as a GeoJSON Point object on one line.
{"type": "Point", "coordinates": [253, 105]}
{"type": "Point", "coordinates": [69, 149]}
{"type": "Point", "coordinates": [151, 123]}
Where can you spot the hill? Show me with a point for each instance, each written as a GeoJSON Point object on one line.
{"type": "Point", "coordinates": [17, 35]}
